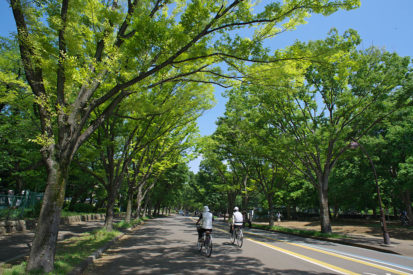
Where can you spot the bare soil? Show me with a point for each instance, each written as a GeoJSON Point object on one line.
{"type": "Point", "coordinates": [356, 227]}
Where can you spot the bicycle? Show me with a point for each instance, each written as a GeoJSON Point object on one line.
{"type": "Point", "coordinates": [404, 221]}
{"type": "Point", "coordinates": [205, 244]}
{"type": "Point", "coordinates": [237, 235]}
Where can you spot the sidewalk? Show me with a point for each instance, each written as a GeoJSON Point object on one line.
{"type": "Point", "coordinates": [15, 245]}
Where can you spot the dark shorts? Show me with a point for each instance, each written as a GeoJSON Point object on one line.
{"type": "Point", "coordinates": [201, 232]}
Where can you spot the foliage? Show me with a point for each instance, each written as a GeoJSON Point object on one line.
{"type": "Point", "coordinates": [20, 162]}
{"type": "Point", "coordinates": [84, 208]}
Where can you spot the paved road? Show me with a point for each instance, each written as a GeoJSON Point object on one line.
{"type": "Point", "coordinates": [167, 246]}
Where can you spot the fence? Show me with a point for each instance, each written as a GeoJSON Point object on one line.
{"type": "Point", "coordinates": [15, 206]}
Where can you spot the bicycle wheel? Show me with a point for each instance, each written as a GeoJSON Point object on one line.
{"type": "Point", "coordinates": [232, 236]}
{"type": "Point", "coordinates": [240, 238]}
{"type": "Point", "coordinates": [199, 245]}
{"type": "Point", "coordinates": [208, 245]}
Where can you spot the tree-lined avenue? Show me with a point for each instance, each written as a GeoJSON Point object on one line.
{"type": "Point", "coordinates": [167, 246]}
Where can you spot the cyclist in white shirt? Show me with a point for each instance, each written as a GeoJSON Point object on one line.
{"type": "Point", "coordinates": [237, 219]}
{"type": "Point", "coordinates": [206, 217]}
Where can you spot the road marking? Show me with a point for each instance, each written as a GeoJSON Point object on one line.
{"type": "Point", "coordinates": [335, 255]}
{"type": "Point", "coordinates": [366, 258]}
{"type": "Point", "coordinates": [300, 256]}
{"type": "Point", "coordinates": [325, 252]}
{"type": "Point", "coordinates": [307, 259]}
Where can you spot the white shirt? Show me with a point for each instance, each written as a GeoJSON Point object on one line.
{"type": "Point", "coordinates": [206, 220]}
{"type": "Point", "coordinates": [237, 218]}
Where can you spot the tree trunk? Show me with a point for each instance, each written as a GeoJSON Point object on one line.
{"type": "Point", "coordinates": [288, 208]}
{"type": "Point", "coordinates": [43, 249]}
{"type": "Point", "coordinates": [294, 212]}
{"type": "Point", "coordinates": [270, 210]}
{"type": "Point", "coordinates": [139, 202]}
{"type": "Point", "coordinates": [112, 194]}
{"type": "Point", "coordinates": [73, 201]}
{"type": "Point", "coordinates": [231, 201]}
{"type": "Point", "coordinates": [408, 205]}
{"type": "Point", "coordinates": [147, 211]}
{"type": "Point", "coordinates": [129, 206]}
{"type": "Point", "coordinates": [324, 213]}
{"type": "Point", "coordinates": [245, 194]}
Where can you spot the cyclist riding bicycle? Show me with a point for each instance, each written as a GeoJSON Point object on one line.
{"type": "Point", "coordinates": [206, 217]}
{"type": "Point", "coordinates": [237, 219]}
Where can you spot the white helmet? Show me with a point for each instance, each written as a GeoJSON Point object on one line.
{"type": "Point", "coordinates": [206, 208]}
{"type": "Point", "coordinates": [236, 208]}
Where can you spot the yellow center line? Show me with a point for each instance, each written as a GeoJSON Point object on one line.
{"type": "Point", "coordinates": [300, 256]}
{"type": "Point", "coordinates": [307, 259]}
{"type": "Point", "coordinates": [330, 253]}
{"type": "Point", "coordinates": [335, 255]}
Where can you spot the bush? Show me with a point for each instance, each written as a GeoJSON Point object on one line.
{"type": "Point", "coordinates": [101, 210]}
{"type": "Point", "coordinates": [35, 211]}
{"type": "Point", "coordinates": [83, 208]}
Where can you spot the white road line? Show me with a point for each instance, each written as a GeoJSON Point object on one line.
{"type": "Point", "coordinates": [362, 257]}
{"type": "Point", "coordinates": [305, 258]}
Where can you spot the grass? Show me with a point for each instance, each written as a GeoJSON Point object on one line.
{"type": "Point", "coordinates": [123, 224]}
{"type": "Point", "coordinates": [70, 253]}
{"type": "Point", "coordinates": [309, 233]}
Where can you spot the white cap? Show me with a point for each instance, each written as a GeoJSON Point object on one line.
{"type": "Point", "coordinates": [206, 209]}
{"type": "Point", "coordinates": [236, 208]}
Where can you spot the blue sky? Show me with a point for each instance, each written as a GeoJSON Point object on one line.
{"type": "Point", "coordinates": [382, 23]}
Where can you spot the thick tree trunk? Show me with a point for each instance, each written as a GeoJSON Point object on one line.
{"type": "Point", "coordinates": [139, 203]}
{"type": "Point", "coordinates": [128, 215]}
{"type": "Point", "coordinates": [112, 194]}
{"type": "Point", "coordinates": [43, 249]}
{"type": "Point", "coordinates": [324, 211]}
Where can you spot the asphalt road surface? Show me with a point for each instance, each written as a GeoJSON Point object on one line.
{"type": "Point", "coordinates": [168, 246]}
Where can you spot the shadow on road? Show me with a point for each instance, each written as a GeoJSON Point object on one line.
{"type": "Point", "coordinates": [156, 250]}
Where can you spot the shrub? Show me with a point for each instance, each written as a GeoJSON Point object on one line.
{"type": "Point", "coordinates": [101, 210]}
{"type": "Point", "coordinates": [83, 208]}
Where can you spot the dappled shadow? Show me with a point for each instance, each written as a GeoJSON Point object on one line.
{"type": "Point", "coordinates": [146, 254]}
{"type": "Point", "coordinates": [15, 245]}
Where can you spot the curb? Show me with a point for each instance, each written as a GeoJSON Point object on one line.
{"type": "Point", "coordinates": [95, 255]}
{"type": "Point", "coordinates": [98, 253]}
